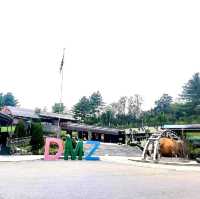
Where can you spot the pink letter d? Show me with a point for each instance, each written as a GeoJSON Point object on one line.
{"type": "Point", "coordinates": [50, 141]}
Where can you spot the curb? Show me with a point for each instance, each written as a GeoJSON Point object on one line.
{"type": "Point", "coordinates": [20, 158]}
{"type": "Point", "coordinates": [165, 163]}
{"type": "Point", "coordinates": [147, 164]}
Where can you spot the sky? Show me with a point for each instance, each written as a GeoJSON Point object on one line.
{"type": "Point", "coordinates": [120, 48]}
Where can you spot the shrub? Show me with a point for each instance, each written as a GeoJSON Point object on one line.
{"type": "Point", "coordinates": [63, 135]}
{"type": "Point", "coordinates": [37, 140]}
{"type": "Point", "coordinates": [193, 145]}
{"type": "Point", "coordinates": [20, 129]}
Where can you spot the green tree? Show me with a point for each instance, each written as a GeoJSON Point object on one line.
{"type": "Point", "coordinates": [58, 108]}
{"type": "Point", "coordinates": [179, 111]}
{"type": "Point", "coordinates": [191, 97]}
{"type": "Point", "coordinates": [163, 104]}
{"type": "Point", "coordinates": [1, 100]}
{"type": "Point", "coordinates": [107, 117]}
{"type": "Point", "coordinates": [37, 140]}
{"type": "Point", "coordinates": [89, 109]}
{"type": "Point", "coordinates": [9, 100]}
{"type": "Point", "coordinates": [191, 90]}
{"type": "Point", "coordinates": [82, 108]}
{"type": "Point", "coordinates": [96, 103]}
{"type": "Point", "coordinates": [162, 111]}
{"type": "Point", "coordinates": [20, 129]}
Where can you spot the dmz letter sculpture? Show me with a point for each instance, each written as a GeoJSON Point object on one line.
{"type": "Point", "coordinates": [50, 141]}
{"type": "Point", "coordinates": [92, 150]}
{"type": "Point", "coordinates": [69, 150]}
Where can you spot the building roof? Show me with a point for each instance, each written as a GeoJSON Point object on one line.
{"type": "Point", "coordinates": [57, 116]}
{"type": "Point", "coordinates": [180, 127]}
{"type": "Point", "coordinates": [93, 129]}
{"type": "Point", "coordinates": [28, 113]}
{"type": "Point", "coordinates": [20, 112]}
{"type": "Point", "coordinates": [5, 119]}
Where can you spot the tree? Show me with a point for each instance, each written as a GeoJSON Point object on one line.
{"type": "Point", "coordinates": [122, 105]}
{"type": "Point", "coordinates": [179, 111]}
{"type": "Point", "coordinates": [44, 109]}
{"type": "Point", "coordinates": [107, 117]}
{"type": "Point", "coordinates": [162, 113]}
{"type": "Point", "coordinates": [191, 90]}
{"type": "Point", "coordinates": [114, 108]}
{"type": "Point", "coordinates": [96, 103]}
{"type": "Point", "coordinates": [82, 108]}
{"type": "Point", "coordinates": [131, 105]}
{"type": "Point", "coordinates": [37, 140]}
{"type": "Point", "coordinates": [20, 129]}
{"type": "Point", "coordinates": [9, 100]}
{"type": "Point", "coordinates": [1, 100]}
{"type": "Point", "coordinates": [37, 110]}
{"type": "Point", "coordinates": [163, 104]}
{"type": "Point", "coordinates": [58, 108]}
{"type": "Point", "coordinates": [134, 106]}
{"type": "Point", "coordinates": [88, 109]}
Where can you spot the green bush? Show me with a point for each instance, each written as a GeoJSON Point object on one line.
{"type": "Point", "coordinates": [20, 129]}
{"type": "Point", "coordinates": [53, 149]}
{"type": "Point", "coordinates": [37, 140]}
{"type": "Point", "coordinates": [193, 145]}
{"type": "Point", "coordinates": [63, 135]}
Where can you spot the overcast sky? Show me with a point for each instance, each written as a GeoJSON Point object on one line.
{"type": "Point", "coordinates": [117, 47]}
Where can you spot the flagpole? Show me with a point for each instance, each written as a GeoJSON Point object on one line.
{"type": "Point", "coordinates": [61, 90]}
{"type": "Point", "coordinates": [61, 83]}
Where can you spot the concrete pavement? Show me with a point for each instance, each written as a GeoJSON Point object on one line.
{"type": "Point", "coordinates": [94, 179]}
{"type": "Point", "coordinates": [19, 158]}
{"type": "Point", "coordinates": [136, 162]}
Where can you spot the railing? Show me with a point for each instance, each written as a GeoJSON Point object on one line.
{"type": "Point", "coordinates": [20, 141]}
{"type": "Point", "coordinates": [50, 128]}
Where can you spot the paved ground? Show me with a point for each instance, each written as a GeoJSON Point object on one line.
{"type": "Point", "coordinates": [99, 180]}
{"type": "Point", "coordinates": [117, 150]}
{"type": "Point", "coordinates": [19, 158]}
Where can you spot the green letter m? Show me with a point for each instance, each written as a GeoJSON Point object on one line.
{"type": "Point", "coordinates": [70, 151]}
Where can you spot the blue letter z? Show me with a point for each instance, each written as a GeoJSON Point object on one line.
{"type": "Point", "coordinates": [92, 150]}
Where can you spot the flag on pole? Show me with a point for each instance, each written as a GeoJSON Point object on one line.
{"type": "Point", "coordinates": [62, 62]}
